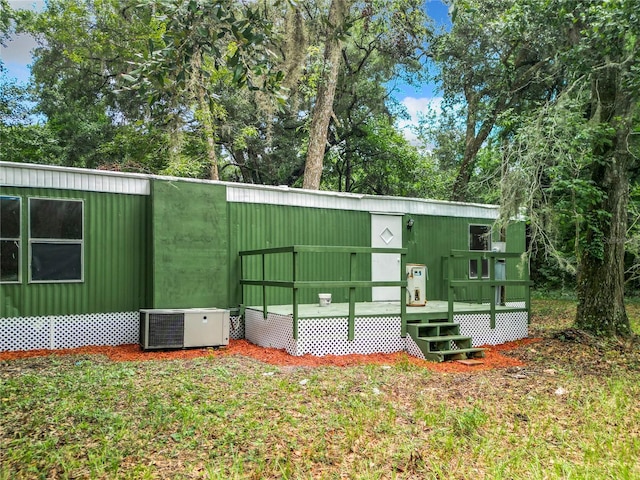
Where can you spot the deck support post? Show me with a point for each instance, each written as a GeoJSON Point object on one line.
{"type": "Point", "coordinates": [295, 313]}
{"type": "Point", "coordinates": [264, 290]}
{"type": "Point", "coordinates": [450, 289]}
{"type": "Point", "coordinates": [403, 296]}
{"type": "Point", "coordinates": [492, 299]}
{"type": "Point", "coordinates": [352, 297]}
{"type": "Point", "coordinates": [294, 294]}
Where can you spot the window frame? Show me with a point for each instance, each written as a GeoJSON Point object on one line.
{"type": "Point", "coordinates": [485, 274]}
{"type": "Point", "coordinates": [56, 241]}
{"type": "Point", "coordinates": [18, 240]}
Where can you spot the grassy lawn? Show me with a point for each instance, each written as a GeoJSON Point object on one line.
{"type": "Point", "coordinates": [571, 412]}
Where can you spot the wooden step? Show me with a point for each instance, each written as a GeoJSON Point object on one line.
{"type": "Point", "coordinates": [460, 354]}
{"type": "Point", "coordinates": [443, 343]}
{"type": "Point", "coordinates": [433, 329]}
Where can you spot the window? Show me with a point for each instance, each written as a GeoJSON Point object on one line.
{"type": "Point", "coordinates": [56, 240]}
{"type": "Point", "coordinates": [479, 240]}
{"type": "Point", "coordinates": [9, 239]}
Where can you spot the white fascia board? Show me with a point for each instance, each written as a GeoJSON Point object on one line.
{"type": "Point", "coordinates": [70, 178]}
{"type": "Point", "coordinates": [67, 178]}
{"type": "Point", "coordinates": [240, 193]}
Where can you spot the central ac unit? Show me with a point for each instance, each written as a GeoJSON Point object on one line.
{"type": "Point", "coordinates": [183, 328]}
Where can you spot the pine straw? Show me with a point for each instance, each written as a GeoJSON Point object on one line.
{"type": "Point", "coordinates": [133, 353]}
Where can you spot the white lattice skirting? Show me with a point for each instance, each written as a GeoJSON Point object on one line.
{"type": "Point", "coordinates": [68, 331]}
{"type": "Point", "coordinates": [329, 336]}
{"type": "Point", "coordinates": [236, 327]}
{"type": "Point", "coordinates": [510, 326]}
{"type": "Point", "coordinates": [324, 336]}
{"type": "Point", "coordinates": [72, 331]}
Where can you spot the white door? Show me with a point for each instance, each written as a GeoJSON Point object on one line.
{"type": "Point", "coordinates": [386, 232]}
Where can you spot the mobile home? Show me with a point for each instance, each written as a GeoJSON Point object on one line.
{"type": "Point", "coordinates": [83, 251]}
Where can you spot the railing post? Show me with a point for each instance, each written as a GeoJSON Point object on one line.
{"type": "Point", "coordinates": [481, 286]}
{"type": "Point", "coordinates": [492, 298]}
{"type": "Point", "coordinates": [450, 288]}
{"type": "Point", "coordinates": [264, 290]}
{"type": "Point", "coordinates": [352, 297]}
{"type": "Point", "coordinates": [527, 299]}
{"type": "Point", "coordinates": [403, 296]}
{"type": "Point", "coordinates": [294, 294]}
{"type": "Point", "coordinates": [295, 313]}
{"type": "Point", "coordinates": [241, 278]}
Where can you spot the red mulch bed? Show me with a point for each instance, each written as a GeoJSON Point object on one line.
{"type": "Point", "coordinates": [126, 353]}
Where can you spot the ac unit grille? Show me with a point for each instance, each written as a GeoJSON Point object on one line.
{"type": "Point", "coordinates": [165, 330]}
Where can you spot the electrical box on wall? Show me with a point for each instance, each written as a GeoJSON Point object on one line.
{"type": "Point", "coordinates": [416, 285]}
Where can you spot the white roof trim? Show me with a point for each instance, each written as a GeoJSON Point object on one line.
{"type": "Point", "coordinates": [48, 176]}
{"type": "Point", "coordinates": [69, 178]}
{"type": "Point", "coordinates": [240, 193]}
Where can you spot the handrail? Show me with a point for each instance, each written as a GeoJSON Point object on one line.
{"type": "Point", "coordinates": [481, 281]}
{"type": "Point", "coordinates": [351, 284]}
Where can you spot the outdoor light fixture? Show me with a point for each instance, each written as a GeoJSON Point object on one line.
{"type": "Point", "coordinates": [410, 224]}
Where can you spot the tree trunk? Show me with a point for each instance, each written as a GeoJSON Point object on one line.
{"type": "Point", "coordinates": [473, 142]}
{"type": "Point", "coordinates": [324, 97]}
{"type": "Point", "coordinates": [600, 285]}
{"type": "Point", "coordinates": [207, 117]}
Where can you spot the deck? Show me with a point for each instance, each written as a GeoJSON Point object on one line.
{"type": "Point", "coordinates": [377, 326]}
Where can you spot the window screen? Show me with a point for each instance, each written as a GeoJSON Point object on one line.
{"type": "Point", "coordinates": [9, 239]}
{"type": "Point", "coordinates": [56, 240]}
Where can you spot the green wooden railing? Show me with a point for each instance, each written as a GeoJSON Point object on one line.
{"type": "Point", "coordinates": [482, 283]}
{"type": "Point", "coordinates": [295, 285]}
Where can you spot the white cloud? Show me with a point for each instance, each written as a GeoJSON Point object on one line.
{"type": "Point", "coordinates": [27, 4]}
{"type": "Point", "coordinates": [418, 108]}
{"type": "Point", "coordinates": [16, 53]}
{"type": "Point", "coordinates": [18, 49]}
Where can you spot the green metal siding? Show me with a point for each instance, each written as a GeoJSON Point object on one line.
{"type": "Point", "coordinates": [257, 226]}
{"type": "Point", "coordinates": [517, 270]}
{"type": "Point", "coordinates": [432, 237]}
{"type": "Point", "coordinates": [189, 226]}
{"type": "Point", "coordinates": [115, 279]}
{"type": "Point", "coordinates": [178, 248]}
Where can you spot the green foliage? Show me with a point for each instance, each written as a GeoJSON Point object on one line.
{"type": "Point", "coordinates": [379, 160]}
{"type": "Point", "coordinates": [232, 35]}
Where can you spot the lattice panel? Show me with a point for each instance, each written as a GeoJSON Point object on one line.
{"type": "Point", "coordinates": [510, 326]}
{"type": "Point", "coordinates": [325, 336]}
{"type": "Point", "coordinates": [236, 327]}
{"type": "Point", "coordinates": [275, 331]}
{"type": "Point", "coordinates": [515, 325]}
{"type": "Point", "coordinates": [25, 333]}
{"type": "Point", "coordinates": [329, 336]}
{"type": "Point", "coordinates": [68, 331]}
{"type": "Point", "coordinates": [412, 348]}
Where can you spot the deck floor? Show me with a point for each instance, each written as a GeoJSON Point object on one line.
{"type": "Point", "coordinates": [369, 309]}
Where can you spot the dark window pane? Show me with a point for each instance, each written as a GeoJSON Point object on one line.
{"type": "Point", "coordinates": [9, 260]}
{"type": "Point", "coordinates": [479, 237]}
{"type": "Point", "coordinates": [485, 268]}
{"type": "Point", "coordinates": [51, 261]}
{"type": "Point", "coordinates": [473, 269]}
{"type": "Point", "coordinates": [55, 219]}
{"type": "Point", "coordinates": [9, 217]}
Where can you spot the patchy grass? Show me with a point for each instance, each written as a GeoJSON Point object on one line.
{"type": "Point", "coordinates": [571, 412]}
